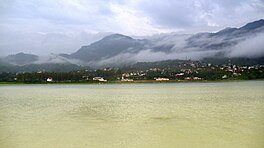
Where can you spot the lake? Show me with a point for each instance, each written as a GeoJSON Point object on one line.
{"type": "Point", "coordinates": [164, 115]}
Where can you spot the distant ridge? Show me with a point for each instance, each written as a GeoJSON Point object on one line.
{"type": "Point", "coordinates": [253, 25]}
{"type": "Point", "coordinates": [118, 49]}
{"type": "Point", "coordinates": [107, 47]}
{"type": "Point", "coordinates": [21, 58]}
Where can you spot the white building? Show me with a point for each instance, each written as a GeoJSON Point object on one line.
{"type": "Point", "coordinates": [99, 79]}
{"type": "Point", "coordinates": [224, 77]}
{"type": "Point", "coordinates": [179, 74]}
{"type": "Point", "coordinates": [126, 80]}
{"type": "Point", "coordinates": [197, 78]}
{"type": "Point", "coordinates": [162, 79]}
{"type": "Point", "coordinates": [49, 79]}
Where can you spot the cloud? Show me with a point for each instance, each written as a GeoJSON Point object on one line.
{"type": "Point", "coordinates": [150, 56]}
{"type": "Point", "coordinates": [46, 26]}
{"type": "Point", "coordinates": [44, 43]}
{"type": "Point", "coordinates": [252, 47]}
{"type": "Point", "coordinates": [201, 15]}
{"type": "Point", "coordinates": [174, 46]}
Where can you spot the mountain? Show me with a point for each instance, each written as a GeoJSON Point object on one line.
{"type": "Point", "coordinates": [20, 59]}
{"type": "Point", "coordinates": [169, 46]}
{"type": "Point", "coordinates": [225, 38]}
{"type": "Point", "coordinates": [23, 62]}
{"type": "Point", "coordinates": [108, 47]}
{"type": "Point", "coordinates": [253, 25]}
{"type": "Point", "coordinates": [119, 50]}
{"type": "Point", "coordinates": [47, 67]}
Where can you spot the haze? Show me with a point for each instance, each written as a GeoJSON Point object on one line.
{"type": "Point", "coordinates": [47, 26]}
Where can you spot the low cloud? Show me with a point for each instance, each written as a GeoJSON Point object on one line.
{"type": "Point", "coordinates": [173, 46]}
{"type": "Point", "coordinates": [48, 26]}
{"type": "Point", "coordinates": [150, 56]}
{"type": "Point", "coordinates": [252, 47]}
{"type": "Point", "coordinates": [53, 58]}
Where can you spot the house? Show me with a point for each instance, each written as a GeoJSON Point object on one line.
{"type": "Point", "coordinates": [187, 78]}
{"type": "Point", "coordinates": [126, 79]}
{"type": "Point", "coordinates": [101, 79]}
{"type": "Point", "coordinates": [49, 79]}
{"type": "Point", "coordinates": [162, 79]}
{"type": "Point", "coordinates": [224, 77]}
{"type": "Point", "coordinates": [197, 78]}
{"type": "Point", "coordinates": [179, 74]}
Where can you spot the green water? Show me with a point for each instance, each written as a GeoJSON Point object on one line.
{"type": "Point", "coordinates": [186, 115]}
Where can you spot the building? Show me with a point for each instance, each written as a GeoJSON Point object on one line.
{"type": "Point", "coordinates": [224, 77]}
{"type": "Point", "coordinates": [179, 74]}
{"type": "Point", "coordinates": [162, 79]}
{"type": "Point", "coordinates": [49, 79]}
{"type": "Point", "coordinates": [101, 79]}
{"type": "Point", "coordinates": [126, 80]}
{"type": "Point", "coordinates": [197, 78]}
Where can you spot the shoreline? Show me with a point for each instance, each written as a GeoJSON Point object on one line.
{"type": "Point", "coordinates": [133, 82]}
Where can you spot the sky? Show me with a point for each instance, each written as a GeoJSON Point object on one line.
{"type": "Point", "coordinates": [63, 26]}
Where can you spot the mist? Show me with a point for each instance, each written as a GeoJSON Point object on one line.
{"type": "Point", "coordinates": [250, 48]}
{"type": "Point", "coordinates": [47, 26]}
{"type": "Point", "coordinates": [176, 46]}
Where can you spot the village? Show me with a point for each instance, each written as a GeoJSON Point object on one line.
{"type": "Point", "coordinates": [179, 71]}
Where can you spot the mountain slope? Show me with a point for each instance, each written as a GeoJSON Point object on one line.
{"type": "Point", "coordinates": [169, 46]}
{"type": "Point", "coordinates": [107, 47]}
{"type": "Point", "coordinates": [21, 59]}
{"type": "Point", "coordinates": [117, 49]}
{"type": "Point", "coordinates": [225, 38]}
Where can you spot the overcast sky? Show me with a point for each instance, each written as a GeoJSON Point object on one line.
{"type": "Point", "coordinates": [55, 26]}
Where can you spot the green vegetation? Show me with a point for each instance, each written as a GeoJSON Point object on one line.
{"type": "Point", "coordinates": [164, 71]}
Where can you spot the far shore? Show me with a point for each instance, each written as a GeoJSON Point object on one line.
{"type": "Point", "coordinates": [136, 82]}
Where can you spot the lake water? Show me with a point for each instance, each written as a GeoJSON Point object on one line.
{"type": "Point", "coordinates": [183, 115]}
